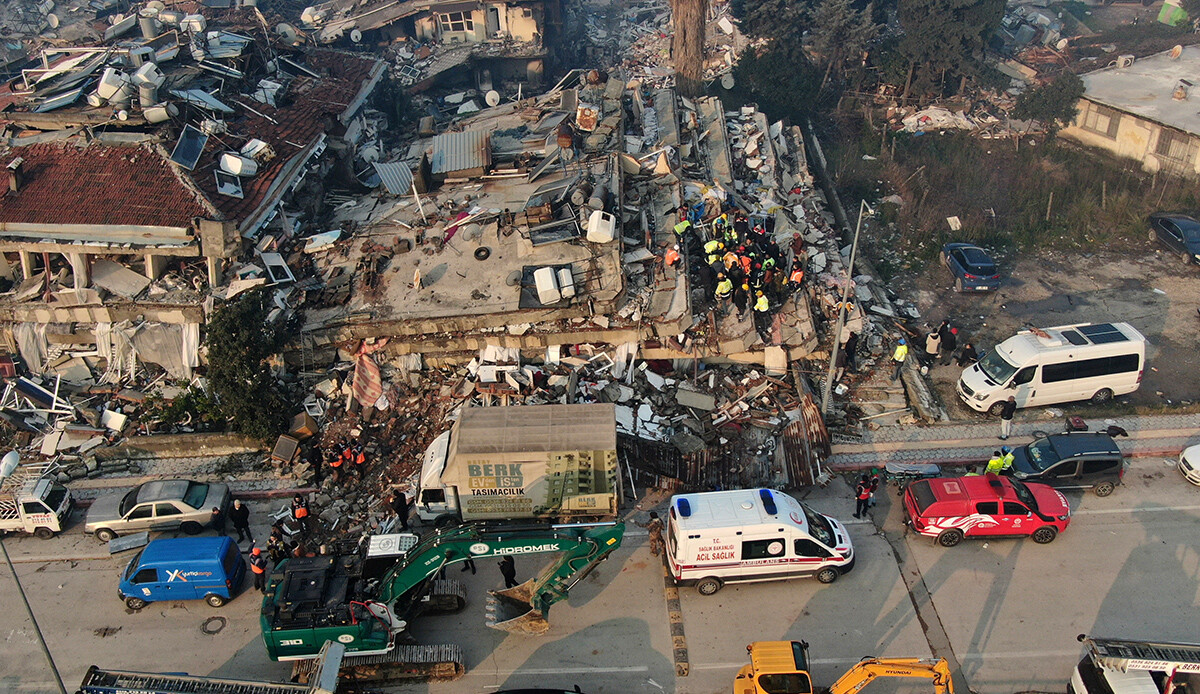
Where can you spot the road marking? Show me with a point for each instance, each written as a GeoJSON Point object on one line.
{"type": "Point", "coordinates": [1160, 509]}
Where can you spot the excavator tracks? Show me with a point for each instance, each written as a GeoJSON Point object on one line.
{"type": "Point", "coordinates": [445, 597]}
{"type": "Point", "coordinates": [404, 663]}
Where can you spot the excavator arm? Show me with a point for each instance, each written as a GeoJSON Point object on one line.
{"type": "Point", "coordinates": [868, 669]}
{"type": "Point", "coordinates": [522, 609]}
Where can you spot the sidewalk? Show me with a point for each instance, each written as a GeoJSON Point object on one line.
{"type": "Point", "coordinates": [962, 443]}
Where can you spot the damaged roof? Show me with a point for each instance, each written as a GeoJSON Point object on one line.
{"type": "Point", "coordinates": [97, 185]}
{"type": "Point", "coordinates": [469, 149]}
{"type": "Point", "coordinates": [1146, 88]}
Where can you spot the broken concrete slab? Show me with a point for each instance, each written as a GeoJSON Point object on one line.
{"type": "Point", "coordinates": [695, 400]}
{"type": "Point", "coordinates": [117, 278]}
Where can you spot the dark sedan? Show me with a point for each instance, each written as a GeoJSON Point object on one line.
{"type": "Point", "coordinates": [1082, 460]}
{"type": "Point", "coordinates": [973, 269]}
{"type": "Point", "coordinates": [1178, 232]}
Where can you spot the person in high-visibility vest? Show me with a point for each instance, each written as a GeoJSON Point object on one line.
{"type": "Point", "coordinates": [682, 228]}
{"type": "Point", "coordinates": [724, 287]}
{"type": "Point", "coordinates": [796, 278]}
{"type": "Point", "coordinates": [713, 246]}
{"type": "Point", "coordinates": [1006, 458]}
{"type": "Point", "coordinates": [898, 358]}
{"type": "Point", "coordinates": [258, 566]}
{"type": "Point", "coordinates": [995, 465]}
{"type": "Point", "coordinates": [672, 257]}
{"type": "Point", "coordinates": [335, 465]}
{"type": "Point", "coordinates": [762, 316]}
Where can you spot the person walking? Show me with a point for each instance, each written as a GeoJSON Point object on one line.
{"type": "Point", "coordinates": [949, 344]}
{"type": "Point", "coordinates": [655, 527]}
{"type": "Point", "coordinates": [300, 512]}
{"type": "Point", "coordinates": [218, 521]}
{"type": "Point", "coordinates": [862, 496]}
{"type": "Point", "coordinates": [469, 565]}
{"type": "Point", "coordinates": [933, 345]}
{"type": "Point", "coordinates": [508, 569]}
{"type": "Point", "coordinates": [874, 482]}
{"type": "Point", "coordinates": [968, 355]}
{"type": "Point", "coordinates": [1007, 410]}
{"type": "Point", "coordinates": [258, 566]}
{"type": "Point", "coordinates": [240, 515]}
{"type": "Point", "coordinates": [898, 358]}
{"type": "Point", "coordinates": [399, 503]}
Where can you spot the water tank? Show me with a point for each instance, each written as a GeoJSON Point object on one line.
{"type": "Point", "coordinates": [171, 17]}
{"type": "Point", "coordinates": [111, 81]}
{"type": "Point", "coordinates": [149, 74]}
{"type": "Point", "coordinates": [602, 227]}
{"type": "Point", "coordinates": [238, 165]}
{"type": "Point", "coordinates": [160, 112]}
{"type": "Point", "coordinates": [546, 283]}
{"type": "Point", "coordinates": [147, 95]}
{"type": "Point", "coordinates": [566, 283]}
{"type": "Point", "coordinates": [148, 24]}
{"type": "Point", "coordinates": [140, 55]}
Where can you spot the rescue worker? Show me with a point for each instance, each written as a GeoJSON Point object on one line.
{"type": "Point", "coordinates": [655, 527]}
{"type": "Point", "coordinates": [796, 278]}
{"type": "Point", "coordinates": [730, 259]}
{"type": "Point", "coordinates": [898, 358]}
{"type": "Point", "coordinates": [995, 465]}
{"type": "Point", "coordinates": [335, 465]}
{"type": "Point", "coordinates": [862, 496]}
{"type": "Point", "coordinates": [300, 512]}
{"type": "Point", "coordinates": [724, 287]}
{"type": "Point", "coordinates": [1006, 458]}
{"type": "Point", "coordinates": [741, 298]}
{"type": "Point", "coordinates": [277, 549]}
{"type": "Point", "coordinates": [682, 230]}
{"type": "Point", "coordinates": [258, 566]}
{"type": "Point", "coordinates": [762, 308]}
{"type": "Point", "coordinates": [672, 257]}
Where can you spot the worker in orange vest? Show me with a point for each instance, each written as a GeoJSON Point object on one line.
{"type": "Point", "coordinates": [796, 277]}
{"type": "Point", "coordinates": [672, 257]}
{"type": "Point", "coordinates": [335, 463]}
{"type": "Point", "coordinates": [258, 565]}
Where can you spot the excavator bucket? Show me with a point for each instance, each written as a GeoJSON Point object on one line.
{"type": "Point", "coordinates": [512, 610]}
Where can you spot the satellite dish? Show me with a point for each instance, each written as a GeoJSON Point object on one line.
{"type": "Point", "coordinates": [727, 80]}
{"type": "Point", "coordinates": [355, 35]}
{"type": "Point", "coordinates": [9, 463]}
{"type": "Point", "coordinates": [156, 6]}
{"type": "Point", "coordinates": [52, 20]}
{"type": "Point", "coordinates": [1176, 52]}
{"type": "Point", "coordinates": [287, 32]}
{"type": "Point", "coordinates": [492, 98]}
{"type": "Point", "coordinates": [1062, 44]}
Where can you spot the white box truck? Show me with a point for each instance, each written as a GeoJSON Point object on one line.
{"type": "Point", "coordinates": [31, 502]}
{"type": "Point", "coordinates": [1045, 366]}
{"type": "Point", "coordinates": [747, 535]}
{"type": "Point", "coordinates": [538, 461]}
{"type": "Point", "coordinates": [1116, 666]}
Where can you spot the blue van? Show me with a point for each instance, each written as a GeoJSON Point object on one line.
{"type": "Point", "coordinates": [185, 568]}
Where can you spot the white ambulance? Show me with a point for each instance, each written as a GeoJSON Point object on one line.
{"type": "Point", "coordinates": [744, 535]}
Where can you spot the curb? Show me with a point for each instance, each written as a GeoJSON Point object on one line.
{"type": "Point", "coordinates": [954, 462]}
{"type": "Point", "coordinates": [679, 649]}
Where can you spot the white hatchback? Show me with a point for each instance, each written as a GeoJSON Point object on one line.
{"type": "Point", "coordinates": [1189, 464]}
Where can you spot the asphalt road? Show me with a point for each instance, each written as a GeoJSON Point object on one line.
{"type": "Point", "coordinates": [1128, 566]}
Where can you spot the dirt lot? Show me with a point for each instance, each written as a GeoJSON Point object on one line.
{"type": "Point", "coordinates": [1152, 290]}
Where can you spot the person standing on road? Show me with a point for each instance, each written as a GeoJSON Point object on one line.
{"type": "Point", "coordinates": [1006, 458]}
{"type": "Point", "coordinates": [949, 343]}
{"type": "Point", "coordinates": [898, 358]}
{"type": "Point", "coordinates": [874, 487]}
{"type": "Point", "coordinates": [258, 566]}
{"type": "Point", "coordinates": [968, 355]}
{"type": "Point", "coordinates": [508, 569]}
{"type": "Point", "coordinates": [862, 496]}
{"type": "Point", "coordinates": [240, 515]}
{"type": "Point", "coordinates": [218, 521]}
{"type": "Point", "coordinates": [655, 527]}
{"type": "Point", "coordinates": [1007, 410]}
{"type": "Point", "coordinates": [933, 345]}
{"type": "Point", "coordinates": [995, 465]}
{"type": "Point", "coordinates": [469, 565]}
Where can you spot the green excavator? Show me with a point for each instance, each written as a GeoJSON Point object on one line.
{"type": "Point", "coordinates": [366, 599]}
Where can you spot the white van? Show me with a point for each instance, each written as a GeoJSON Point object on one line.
{"type": "Point", "coordinates": [1111, 666]}
{"type": "Point", "coordinates": [744, 535]}
{"type": "Point", "coordinates": [1088, 361]}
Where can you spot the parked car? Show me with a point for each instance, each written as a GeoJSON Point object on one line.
{"type": "Point", "coordinates": [1081, 460]}
{"type": "Point", "coordinates": [949, 509]}
{"type": "Point", "coordinates": [183, 568]}
{"type": "Point", "coordinates": [972, 267]}
{"type": "Point", "coordinates": [158, 505]}
{"type": "Point", "coordinates": [1178, 232]}
{"type": "Point", "coordinates": [1189, 464]}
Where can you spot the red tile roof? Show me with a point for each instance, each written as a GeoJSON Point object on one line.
{"type": "Point", "coordinates": [314, 109]}
{"type": "Point", "coordinates": [96, 184]}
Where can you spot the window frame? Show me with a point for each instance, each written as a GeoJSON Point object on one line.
{"type": "Point", "coordinates": [1089, 120]}
{"type": "Point", "coordinates": [456, 22]}
{"type": "Point", "coordinates": [147, 506]}
{"type": "Point", "coordinates": [823, 552]}
{"type": "Point", "coordinates": [980, 505]}
{"type": "Point", "coordinates": [750, 548]}
{"type": "Point", "coordinates": [1171, 141]}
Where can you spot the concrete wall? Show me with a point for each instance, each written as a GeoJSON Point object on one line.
{"type": "Point", "coordinates": [1134, 138]}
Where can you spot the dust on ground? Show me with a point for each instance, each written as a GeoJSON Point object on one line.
{"type": "Point", "coordinates": [1151, 289]}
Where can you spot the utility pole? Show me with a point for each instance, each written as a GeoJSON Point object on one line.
{"type": "Point", "coordinates": [33, 620]}
{"type": "Point", "coordinates": [841, 311]}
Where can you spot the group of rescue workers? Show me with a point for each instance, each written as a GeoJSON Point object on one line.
{"type": "Point", "coordinates": [738, 261]}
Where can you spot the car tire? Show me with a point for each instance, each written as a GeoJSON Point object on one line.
{"type": "Point", "coordinates": [135, 603]}
{"type": "Point", "coordinates": [105, 535]}
{"type": "Point", "coordinates": [708, 586]}
{"type": "Point", "coordinates": [1187, 258]}
{"type": "Point", "coordinates": [945, 260]}
{"type": "Point", "coordinates": [1102, 396]}
{"type": "Point", "coordinates": [191, 528]}
{"type": "Point", "coordinates": [1044, 535]}
{"type": "Point", "coordinates": [994, 410]}
{"type": "Point", "coordinates": [1104, 488]}
{"type": "Point", "coordinates": [958, 284]}
{"type": "Point", "coordinates": [828, 575]}
{"type": "Point", "coordinates": [949, 538]}
{"type": "Point", "coordinates": [43, 533]}
{"type": "Point", "coordinates": [1153, 236]}
{"type": "Point", "coordinates": [214, 600]}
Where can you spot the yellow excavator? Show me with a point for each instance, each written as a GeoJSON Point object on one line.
{"type": "Point", "coordinates": [781, 667]}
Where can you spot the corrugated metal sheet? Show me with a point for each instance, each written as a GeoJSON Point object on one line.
{"type": "Point", "coordinates": [470, 149]}
{"type": "Point", "coordinates": [397, 178]}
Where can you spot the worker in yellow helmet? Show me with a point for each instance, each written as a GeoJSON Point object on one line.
{"type": "Point", "coordinates": [724, 287]}
{"type": "Point", "coordinates": [898, 358]}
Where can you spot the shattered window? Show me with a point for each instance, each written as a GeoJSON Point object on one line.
{"type": "Point", "coordinates": [456, 21]}
{"type": "Point", "coordinates": [1101, 120]}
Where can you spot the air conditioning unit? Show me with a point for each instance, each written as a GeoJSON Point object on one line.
{"type": "Point", "coordinates": [1125, 60]}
